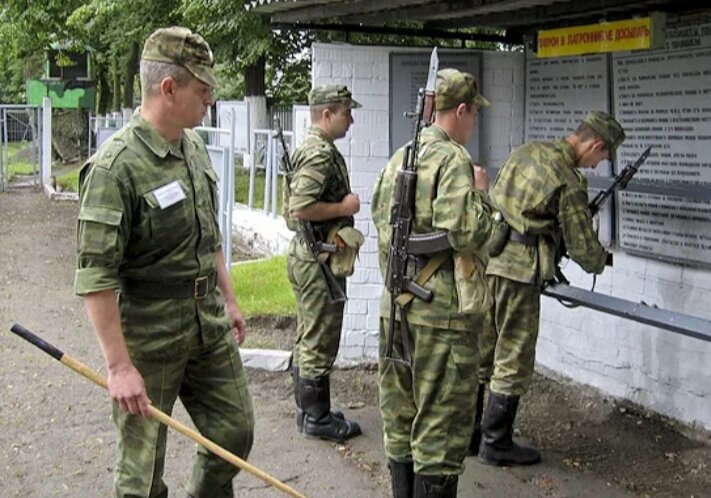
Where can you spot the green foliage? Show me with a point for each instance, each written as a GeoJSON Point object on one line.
{"type": "Point", "coordinates": [262, 287]}
{"type": "Point", "coordinates": [231, 81]}
{"type": "Point", "coordinates": [110, 29]}
{"type": "Point", "coordinates": [290, 86]}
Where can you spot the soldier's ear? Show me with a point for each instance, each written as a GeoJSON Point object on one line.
{"type": "Point", "coordinates": [326, 114]}
{"type": "Point", "coordinates": [461, 110]}
{"type": "Point", "coordinates": [167, 86]}
{"type": "Point", "coordinates": [599, 145]}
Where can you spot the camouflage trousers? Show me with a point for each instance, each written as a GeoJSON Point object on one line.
{"type": "Point", "coordinates": [428, 412]}
{"type": "Point", "coordinates": [212, 386]}
{"type": "Point", "coordinates": [318, 321]}
{"type": "Point", "coordinates": [508, 344]}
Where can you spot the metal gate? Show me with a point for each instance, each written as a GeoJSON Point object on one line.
{"type": "Point", "coordinates": [20, 146]}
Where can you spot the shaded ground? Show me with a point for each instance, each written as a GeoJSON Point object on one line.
{"type": "Point", "coordinates": [57, 440]}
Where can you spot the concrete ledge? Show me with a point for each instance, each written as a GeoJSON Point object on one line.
{"type": "Point", "coordinates": [53, 195]}
{"type": "Point", "coordinates": [272, 360]}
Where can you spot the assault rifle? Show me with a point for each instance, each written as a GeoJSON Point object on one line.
{"type": "Point", "coordinates": [404, 245]}
{"type": "Point", "coordinates": [316, 247]}
{"type": "Point", "coordinates": [619, 182]}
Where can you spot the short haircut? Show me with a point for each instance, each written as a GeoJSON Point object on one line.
{"type": "Point", "coordinates": [585, 132]}
{"type": "Point", "coordinates": [317, 110]}
{"type": "Point", "coordinates": [153, 72]}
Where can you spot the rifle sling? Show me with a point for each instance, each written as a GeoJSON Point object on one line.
{"type": "Point", "coordinates": [423, 276]}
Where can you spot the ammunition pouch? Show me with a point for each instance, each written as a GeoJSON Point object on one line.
{"type": "Point", "coordinates": [499, 238]}
{"type": "Point", "coordinates": [470, 280]}
{"type": "Point", "coordinates": [348, 241]}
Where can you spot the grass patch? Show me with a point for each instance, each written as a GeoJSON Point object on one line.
{"type": "Point", "coordinates": [69, 181]}
{"type": "Point", "coordinates": [242, 189]}
{"type": "Point", "coordinates": [21, 168]}
{"type": "Point", "coordinates": [262, 288]}
{"type": "Point", "coordinates": [15, 147]}
{"type": "Point", "coordinates": [17, 157]}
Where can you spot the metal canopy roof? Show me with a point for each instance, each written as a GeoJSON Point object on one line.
{"type": "Point", "coordinates": [516, 16]}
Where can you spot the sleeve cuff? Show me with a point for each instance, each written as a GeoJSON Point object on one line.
{"type": "Point", "coordinates": [88, 280]}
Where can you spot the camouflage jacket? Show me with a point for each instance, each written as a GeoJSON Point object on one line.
{"type": "Point", "coordinates": [445, 200]}
{"type": "Point", "coordinates": [320, 174]}
{"type": "Point", "coordinates": [128, 228]}
{"type": "Point", "coordinates": [540, 192]}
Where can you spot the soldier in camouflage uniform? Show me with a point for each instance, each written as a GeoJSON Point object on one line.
{"type": "Point", "coordinates": [427, 409]}
{"type": "Point", "coordinates": [543, 197]}
{"type": "Point", "coordinates": [148, 228]}
{"type": "Point", "coordinates": [319, 193]}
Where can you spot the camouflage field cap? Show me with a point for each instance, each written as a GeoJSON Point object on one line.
{"type": "Point", "coordinates": [181, 46]}
{"type": "Point", "coordinates": [607, 127]}
{"type": "Point", "coordinates": [331, 94]}
{"type": "Point", "coordinates": [455, 87]}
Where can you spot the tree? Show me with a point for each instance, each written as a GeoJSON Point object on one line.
{"type": "Point", "coordinates": [116, 30]}
{"type": "Point", "coordinates": [27, 29]}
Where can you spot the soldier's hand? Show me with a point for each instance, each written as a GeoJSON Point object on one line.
{"type": "Point", "coordinates": [127, 389]}
{"type": "Point", "coordinates": [596, 223]}
{"type": "Point", "coordinates": [350, 204]}
{"type": "Point", "coordinates": [481, 179]}
{"type": "Point", "coordinates": [239, 324]}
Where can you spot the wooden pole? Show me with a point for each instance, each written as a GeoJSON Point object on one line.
{"type": "Point", "coordinates": [93, 376]}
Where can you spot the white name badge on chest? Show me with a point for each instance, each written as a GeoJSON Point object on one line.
{"type": "Point", "coordinates": [169, 194]}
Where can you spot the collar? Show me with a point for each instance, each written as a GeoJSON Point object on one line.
{"type": "Point", "coordinates": [154, 140]}
{"type": "Point", "coordinates": [315, 130]}
{"type": "Point", "coordinates": [437, 132]}
{"type": "Point", "coordinates": [567, 150]}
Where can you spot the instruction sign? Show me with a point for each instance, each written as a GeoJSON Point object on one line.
{"type": "Point", "coordinates": [664, 99]}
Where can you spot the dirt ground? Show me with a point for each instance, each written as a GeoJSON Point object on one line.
{"type": "Point", "coordinates": [57, 440]}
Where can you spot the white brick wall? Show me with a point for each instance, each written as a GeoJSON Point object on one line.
{"type": "Point", "coordinates": [661, 370]}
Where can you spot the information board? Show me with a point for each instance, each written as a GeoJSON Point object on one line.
{"type": "Point", "coordinates": [408, 73]}
{"type": "Point", "coordinates": [302, 122]}
{"type": "Point", "coordinates": [663, 98]}
{"type": "Point", "coordinates": [559, 93]}
{"type": "Point", "coordinates": [241, 112]}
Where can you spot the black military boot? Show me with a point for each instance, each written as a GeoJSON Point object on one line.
{"type": "Point", "coordinates": [497, 445]}
{"type": "Point", "coordinates": [315, 397]}
{"type": "Point", "coordinates": [478, 411]}
{"type": "Point", "coordinates": [402, 476]}
{"type": "Point", "coordinates": [435, 486]}
{"type": "Point", "coordinates": [297, 399]}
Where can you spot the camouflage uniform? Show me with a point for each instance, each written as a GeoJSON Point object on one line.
{"type": "Point", "coordinates": [319, 175]}
{"type": "Point", "coordinates": [542, 194]}
{"type": "Point", "coordinates": [427, 411]}
{"type": "Point", "coordinates": [129, 239]}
